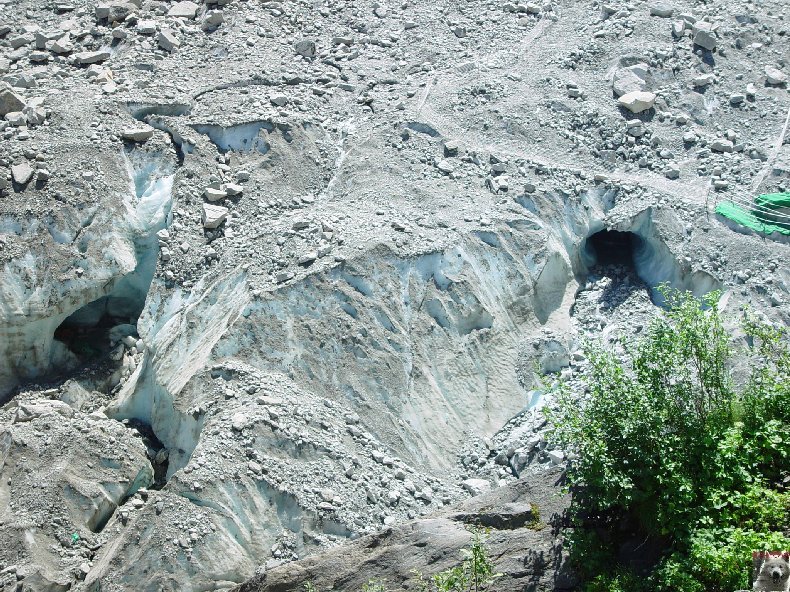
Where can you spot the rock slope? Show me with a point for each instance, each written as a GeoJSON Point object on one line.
{"type": "Point", "coordinates": [522, 521]}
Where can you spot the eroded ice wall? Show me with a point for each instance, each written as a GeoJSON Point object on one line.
{"type": "Point", "coordinates": [113, 260]}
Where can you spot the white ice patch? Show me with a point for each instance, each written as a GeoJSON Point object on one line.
{"type": "Point", "coordinates": [244, 137]}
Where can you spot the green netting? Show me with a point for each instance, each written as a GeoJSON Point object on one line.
{"type": "Point", "coordinates": [746, 218]}
{"type": "Point", "coordinates": [773, 200]}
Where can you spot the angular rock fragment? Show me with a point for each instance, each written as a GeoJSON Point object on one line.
{"type": "Point", "coordinates": [305, 48]}
{"type": "Point", "coordinates": [61, 46]}
{"type": "Point", "coordinates": [213, 19]}
{"type": "Point", "coordinates": [167, 40]}
{"type": "Point", "coordinates": [22, 173]}
{"type": "Point", "coordinates": [703, 34]}
{"type": "Point", "coordinates": [9, 102]}
{"type": "Point", "coordinates": [721, 145]}
{"type": "Point", "coordinates": [184, 9]}
{"type": "Point", "coordinates": [114, 11]}
{"type": "Point", "coordinates": [637, 101]}
{"type": "Point", "coordinates": [16, 118]}
{"type": "Point", "coordinates": [213, 216]}
{"type": "Point", "coordinates": [661, 10]}
{"type": "Point", "coordinates": [233, 189]}
{"type": "Point", "coordinates": [92, 57]}
{"type": "Point", "coordinates": [138, 134]}
{"type": "Point", "coordinates": [476, 486]}
{"type": "Point", "coordinates": [214, 194]}
{"type": "Point", "coordinates": [630, 79]}
{"type": "Point", "coordinates": [774, 76]}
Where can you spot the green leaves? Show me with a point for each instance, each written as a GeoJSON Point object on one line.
{"type": "Point", "coordinates": [475, 574]}
{"type": "Point", "coordinates": [669, 446]}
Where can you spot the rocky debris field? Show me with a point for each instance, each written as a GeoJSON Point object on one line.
{"type": "Point", "coordinates": [280, 275]}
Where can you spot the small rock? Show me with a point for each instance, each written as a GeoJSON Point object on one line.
{"type": "Point", "coordinates": [661, 10]}
{"type": "Point", "coordinates": [720, 145]}
{"type": "Point", "coordinates": [307, 258]}
{"type": "Point", "coordinates": [213, 19]}
{"type": "Point", "coordinates": [16, 118]}
{"type": "Point", "coordinates": [239, 422]}
{"type": "Point", "coordinates": [305, 48]}
{"type": "Point", "coordinates": [10, 102]}
{"type": "Point", "coordinates": [138, 134]}
{"type": "Point", "coordinates": [556, 456]}
{"type": "Point", "coordinates": [92, 57]}
{"type": "Point", "coordinates": [213, 194]}
{"type": "Point", "coordinates": [445, 166]}
{"type": "Point", "coordinates": [185, 9]}
{"type": "Point", "coordinates": [279, 100]}
{"type": "Point", "coordinates": [476, 486]}
{"type": "Point", "coordinates": [213, 215]}
{"type": "Point", "coordinates": [21, 173]}
{"type": "Point", "coordinates": [637, 101]}
{"type": "Point", "coordinates": [233, 189]}
{"type": "Point", "coordinates": [451, 148]}
{"type": "Point", "coordinates": [774, 76]}
{"type": "Point", "coordinates": [167, 40]}
{"type": "Point", "coordinates": [703, 34]}
{"type": "Point", "coordinates": [672, 171]}
{"type": "Point", "coordinates": [703, 80]}
{"type": "Point", "coordinates": [146, 27]}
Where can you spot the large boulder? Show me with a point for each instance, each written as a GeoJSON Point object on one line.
{"type": "Point", "coordinates": [524, 541]}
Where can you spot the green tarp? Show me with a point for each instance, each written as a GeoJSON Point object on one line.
{"type": "Point", "coordinates": [760, 219]}
{"type": "Point", "coordinates": [773, 200]}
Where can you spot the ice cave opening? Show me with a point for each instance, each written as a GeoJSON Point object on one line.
{"type": "Point", "coordinates": [89, 332]}
{"type": "Point", "coordinates": [613, 247]}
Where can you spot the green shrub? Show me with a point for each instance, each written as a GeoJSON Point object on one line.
{"type": "Point", "coordinates": [474, 574]}
{"type": "Point", "coordinates": [668, 445]}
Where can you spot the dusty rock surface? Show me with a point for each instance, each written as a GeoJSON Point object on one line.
{"type": "Point", "coordinates": [279, 274]}
{"type": "Point", "coordinates": [523, 521]}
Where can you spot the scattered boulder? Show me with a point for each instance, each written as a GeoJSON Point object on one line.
{"type": "Point", "coordinates": [661, 10]}
{"type": "Point", "coordinates": [775, 76]}
{"type": "Point", "coordinates": [721, 145]}
{"type": "Point", "coordinates": [114, 11]}
{"type": "Point", "coordinates": [184, 9]}
{"type": "Point", "coordinates": [16, 118]}
{"type": "Point", "coordinates": [630, 79]}
{"type": "Point", "coordinates": [213, 216]}
{"type": "Point", "coordinates": [215, 194]}
{"type": "Point", "coordinates": [22, 173]}
{"type": "Point", "coordinates": [138, 134]}
{"type": "Point", "coordinates": [86, 58]}
{"type": "Point", "coordinates": [10, 102]}
{"type": "Point", "coordinates": [637, 101]}
{"type": "Point", "coordinates": [305, 48]}
{"type": "Point", "coordinates": [167, 40]}
{"type": "Point", "coordinates": [30, 411]}
{"type": "Point", "coordinates": [704, 35]}
{"type": "Point", "coordinates": [476, 486]}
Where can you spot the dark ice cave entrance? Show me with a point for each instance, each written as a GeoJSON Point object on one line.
{"type": "Point", "coordinates": [612, 247]}
{"type": "Point", "coordinates": [86, 333]}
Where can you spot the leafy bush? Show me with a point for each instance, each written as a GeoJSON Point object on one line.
{"type": "Point", "coordinates": [671, 450]}
{"type": "Point", "coordinates": [474, 574]}
{"type": "Point", "coordinates": [374, 586]}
